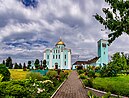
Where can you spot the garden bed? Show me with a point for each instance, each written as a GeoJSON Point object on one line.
{"type": "Point", "coordinates": [32, 84]}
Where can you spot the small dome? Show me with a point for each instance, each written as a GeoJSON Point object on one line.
{"type": "Point", "coordinates": [60, 42]}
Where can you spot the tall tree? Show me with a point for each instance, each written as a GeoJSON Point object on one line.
{"type": "Point", "coordinates": [119, 61]}
{"type": "Point", "coordinates": [37, 63]}
{"type": "Point", "coordinates": [16, 66]}
{"type": "Point", "coordinates": [44, 64]}
{"type": "Point", "coordinates": [3, 62]}
{"type": "Point", "coordinates": [24, 67]}
{"type": "Point", "coordinates": [29, 64]}
{"type": "Point", "coordinates": [9, 63]}
{"type": "Point", "coordinates": [116, 18]}
{"type": "Point", "coordinates": [20, 66]}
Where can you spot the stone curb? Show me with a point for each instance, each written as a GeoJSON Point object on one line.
{"type": "Point", "coordinates": [59, 87]}
{"type": "Point", "coordinates": [102, 92]}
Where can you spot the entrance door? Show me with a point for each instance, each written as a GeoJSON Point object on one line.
{"type": "Point", "coordinates": [56, 65]}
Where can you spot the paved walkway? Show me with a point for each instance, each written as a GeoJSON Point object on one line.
{"type": "Point", "coordinates": [72, 88]}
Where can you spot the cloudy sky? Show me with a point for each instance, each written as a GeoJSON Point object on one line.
{"type": "Point", "coordinates": [27, 27]}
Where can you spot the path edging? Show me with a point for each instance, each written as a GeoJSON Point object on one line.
{"type": "Point", "coordinates": [103, 92]}
{"type": "Point", "coordinates": [58, 89]}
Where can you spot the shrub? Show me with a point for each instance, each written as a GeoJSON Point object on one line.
{"type": "Point", "coordinates": [97, 74]}
{"type": "Point", "coordinates": [62, 76]}
{"type": "Point", "coordinates": [28, 88]}
{"type": "Point", "coordinates": [82, 76]}
{"type": "Point", "coordinates": [34, 75]}
{"type": "Point", "coordinates": [45, 77]}
{"type": "Point", "coordinates": [5, 72]}
{"type": "Point", "coordinates": [88, 82]}
{"type": "Point", "coordinates": [1, 77]}
{"type": "Point", "coordinates": [91, 73]}
{"type": "Point", "coordinates": [80, 71]}
{"type": "Point", "coordinates": [85, 82]}
{"type": "Point", "coordinates": [51, 74]}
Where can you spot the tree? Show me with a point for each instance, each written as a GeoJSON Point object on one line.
{"type": "Point", "coordinates": [116, 18]}
{"type": "Point", "coordinates": [5, 73]}
{"type": "Point", "coordinates": [114, 67]}
{"type": "Point", "coordinates": [9, 63]}
{"type": "Point", "coordinates": [20, 66]}
{"type": "Point", "coordinates": [3, 62]}
{"type": "Point", "coordinates": [44, 64]}
{"type": "Point", "coordinates": [119, 60]}
{"type": "Point", "coordinates": [16, 66]}
{"type": "Point", "coordinates": [36, 63]}
{"type": "Point", "coordinates": [24, 67]}
{"type": "Point", "coordinates": [29, 64]}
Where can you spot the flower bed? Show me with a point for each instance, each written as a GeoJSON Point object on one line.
{"type": "Point", "coordinates": [36, 86]}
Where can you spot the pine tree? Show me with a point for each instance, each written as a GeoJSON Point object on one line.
{"type": "Point", "coordinates": [16, 66]}
{"type": "Point", "coordinates": [29, 64]}
{"type": "Point", "coordinates": [20, 66]}
{"type": "Point", "coordinates": [9, 63]}
{"type": "Point", "coordinates": [44, 64]}
{"type": "Point", "coordinates": [24, 67]}
{"type": "Point", "coordinates": [36, 63]}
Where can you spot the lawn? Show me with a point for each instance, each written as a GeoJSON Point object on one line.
{"type": "Point", "coordinates": [117, 85]}
{"type": "Point", "coordinates": [18, 74]}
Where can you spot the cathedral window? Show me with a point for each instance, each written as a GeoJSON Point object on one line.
{"type": "Point", "coordinates": [47, 63]}
{"type": "Point", "coordinates": [65, 56]}
{"type": "Point", "coordinates": [59, 56]}
{"type": "Point", "coordinates": [65, 62]}
{"type": "Point", "coordinates": [53, 56]}
{"type": "Point", "coordinates": [47, 56]}
{"type": "Point", "coordinates": [56, 56]}
{"type": "Point", "coordinates": [56, 51]}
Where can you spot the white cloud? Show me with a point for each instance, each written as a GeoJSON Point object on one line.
{"type": "Point", "coordinates": [71, 19]}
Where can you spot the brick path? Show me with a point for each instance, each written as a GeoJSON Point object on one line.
{"type": "Point", "coordinates": [72, 88]}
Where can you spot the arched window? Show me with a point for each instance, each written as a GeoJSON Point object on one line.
{"type": "Point", "coordinates": [56, 56]}
{"type": "Point", "coordinates": [65, 63]}
{"type": "Point", "coordinates": [59, 56]}
{"type": "Point", "coordinates": [65, 56]}
{"type": "Point", "coordinates": [47, 56]}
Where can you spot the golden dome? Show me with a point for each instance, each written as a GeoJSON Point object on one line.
{"type": "Point", "coordinates": [60, 42]}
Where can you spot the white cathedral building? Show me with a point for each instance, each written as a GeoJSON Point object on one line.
{"type": "Point", "coordinates": [59, 57]}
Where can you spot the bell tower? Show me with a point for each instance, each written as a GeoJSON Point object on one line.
{"type": "Point", "coordinates": [103, 51]}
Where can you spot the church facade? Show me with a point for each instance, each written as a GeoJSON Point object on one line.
{"type": "Point", "coordinates": [59, 57]}
{"type": "Point", "coordinates": [100, 60]}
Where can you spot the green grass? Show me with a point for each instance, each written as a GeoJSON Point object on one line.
{"type": "Point", "coordinates": [117, 85]}
{"type": "Point", "coordinates": [18, 74]}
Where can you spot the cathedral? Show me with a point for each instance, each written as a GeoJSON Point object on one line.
{"type": "Point", "coordinates": [59, 57]}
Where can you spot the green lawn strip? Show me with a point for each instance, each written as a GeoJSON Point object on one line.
{"type": "Point", "coordinates": [116, 85]}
